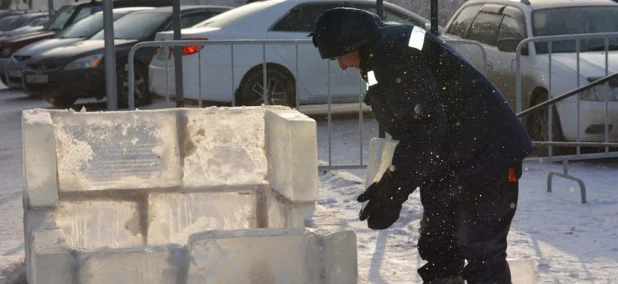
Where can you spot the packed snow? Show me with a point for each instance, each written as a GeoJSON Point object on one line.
{"type": "Point", "coordinates": [568, 241]}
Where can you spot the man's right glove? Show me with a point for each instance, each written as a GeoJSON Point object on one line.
{"type": "Point", "coordinates": [385, 202]}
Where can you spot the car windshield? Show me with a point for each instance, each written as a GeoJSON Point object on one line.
{"type": "Point", "coordinates": [86, 27]}
{"type": "Point", "coordinates": [575, 20]}
{"type": "Point", "coordinates": [60, 18]}
{"type": "Point", "coordinates": [136, 26]}
{"type": "Point", "coordinates": [20, 22]}
{"type": "Point", "coordinates": [6, 22]}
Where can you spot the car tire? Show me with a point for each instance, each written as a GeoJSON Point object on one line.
{"type": "Point", "coordinates": [281, 87]}
{"type": "Point", "coordinates": [3, 79]}
{"type": "Point", "coordinates": [142, 93]}
{"type": "Point", "coordinates": [538, 125]}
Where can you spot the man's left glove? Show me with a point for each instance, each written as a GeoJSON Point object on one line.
{"type": "Point", "coordinates": [385, 202]}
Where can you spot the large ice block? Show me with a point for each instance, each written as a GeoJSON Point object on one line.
{"type": "Point", "coordinates": [223, 146]}
{"type": "Point", "coordinates": [39, 145]}
{"type": "Point", "coordinates": [144, 265]}
{"type": "Point", "coordinates": [173, 217]}
{"type": "Point", "coordinates": [122, 150]}
{"type": "Point", "coordinates": [215, 195]}
{"type": "Point", "coordinates": [339, 257]}
{"type": "Point", "coordinates": [100, 223]}
{"type": "Point", "coordinates": [255, 256]}
{"type": "Point", "coordinates": [381, 153]}
{"type": "Point", "coordinates": [282, 213]}
{"type": "Point", "coordinates": [291, 148]}
{"type": "Point", "coordinates": [36, 221]}
{"type": "Point", "coordinates": [522, 271]}
{"type": "Point", "coordinates": [52, 261]}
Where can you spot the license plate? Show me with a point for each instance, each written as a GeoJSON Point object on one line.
{"type": "Point", "coordinates": [42, 78]}
{"type": "Point", "coordinates": [14, 73]}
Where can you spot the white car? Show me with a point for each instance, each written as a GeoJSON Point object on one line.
{"type": "Point", "coordinates": [500, 25]}
{"type": "Point", "coordinates": [272, 19]}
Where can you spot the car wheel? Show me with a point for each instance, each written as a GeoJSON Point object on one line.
{"type": "Point", "coordinates": [281, 88]}
{"type": "Point", "coordinates": [61, 102]}
{"type": "Point", "coordinates": [142, 94]}
{"type": "Point", "coordinates": [538, 126]}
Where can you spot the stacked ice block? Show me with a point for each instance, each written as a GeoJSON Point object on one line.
{"type": "Point", "coordinates": [215, 195]}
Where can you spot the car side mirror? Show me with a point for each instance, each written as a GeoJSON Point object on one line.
{"type": "Point", "coordinates": [510, 45]}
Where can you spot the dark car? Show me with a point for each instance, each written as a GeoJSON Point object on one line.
{"type": "Point", "coordinates": [64, 74]}
{"type": "Point", "coordinates": [77, 32]}
{"type": "Point", "coordinates": [8, 13]}
{"type": "Point", "coordinates": [10, 23]}
{"type": "Point", "coordinates": [64, 17]}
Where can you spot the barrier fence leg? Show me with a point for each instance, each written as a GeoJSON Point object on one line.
{"type": "Point", "coordinates": [565, 174]}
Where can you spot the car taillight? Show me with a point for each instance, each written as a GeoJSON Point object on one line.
{"type": "Point", "coordinates": [192, 49]}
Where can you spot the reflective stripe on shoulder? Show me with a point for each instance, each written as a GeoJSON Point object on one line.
{"type": "Point", "coordinates": [417, 38]}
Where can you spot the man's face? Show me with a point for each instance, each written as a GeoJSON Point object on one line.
{"type": "Point", "coordinates": [348, 60]}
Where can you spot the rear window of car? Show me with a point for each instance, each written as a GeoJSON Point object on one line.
{"type": "Point", "coordinates": [87, 27]}
{"type": "Point", "coordinates": [235, 14]}
{"type": "Point", "coordinates": [575, 20]}
{"type": "Point", "coordinates": [136, 25]}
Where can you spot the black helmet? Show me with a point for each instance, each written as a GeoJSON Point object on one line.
{"type": "Point", "coordinates": [342, 30]}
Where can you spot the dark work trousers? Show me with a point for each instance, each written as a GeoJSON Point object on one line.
{"type": "Point", "coordinates": [467, 223]}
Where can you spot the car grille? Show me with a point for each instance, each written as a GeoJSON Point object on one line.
{"type": "Point", "coordinates": [43, 66]}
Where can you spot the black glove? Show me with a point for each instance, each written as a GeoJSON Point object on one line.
{"type": "Point", "coordinates": [385, 202]}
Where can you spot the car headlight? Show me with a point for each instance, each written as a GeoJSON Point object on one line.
{"type": "Point", "coordinates": [599, 92]}
{"type": "Point", "coordinates": [90, 61]}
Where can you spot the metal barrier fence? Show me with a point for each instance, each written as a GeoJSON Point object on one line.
{"type": "Point", "coordinates": [552, 100]}
{"type": "Point", "coordinates": [579, 89]}
{"type": "Point", "coordinates": [481, 55]}
{"type": "Point", "coordinates": [264, 44]}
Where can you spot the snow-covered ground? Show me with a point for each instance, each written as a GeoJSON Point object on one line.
{"type": "Point", "coordinates": [569, 242]}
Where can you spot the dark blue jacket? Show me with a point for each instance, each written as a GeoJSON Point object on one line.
{"type": "Point", "coordinates": [448, 117]}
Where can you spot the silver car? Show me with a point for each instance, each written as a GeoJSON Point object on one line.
{"type": "Point", "coordinates": [500, 25]}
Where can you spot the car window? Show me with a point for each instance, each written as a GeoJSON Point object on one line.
{"type": "Point", "coordinates": [82, 14]}
{"type": "Point", "coordinates": [194, 19]}
{"type": "Point", "coordinates": [236, 15]}
{"type": "Point", "coordinates": [460, 24]}
{"type": "Point", "coordinates": [60, 18]}
{"type": "Point", "coordinates": [512, 28]}
{"type": "Point", "coordinates": [575, 20]}
{"type": "Point", "coordinates": [88, 27]}
{"type": "Point", "coordinates": [136, 26]}
{"type": "Point", "coordinates": [392, 16]}
{"type": "Point", "coordinates": [5, 23]}
{"type": "Point", "coordinates": [302, 17]}
{"type": "Point", "coordinates": [19, 22]}
{"type": "Point", "coordinates": [484, 28]}
{"type": "Point", "coordinates": [38, 22]}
